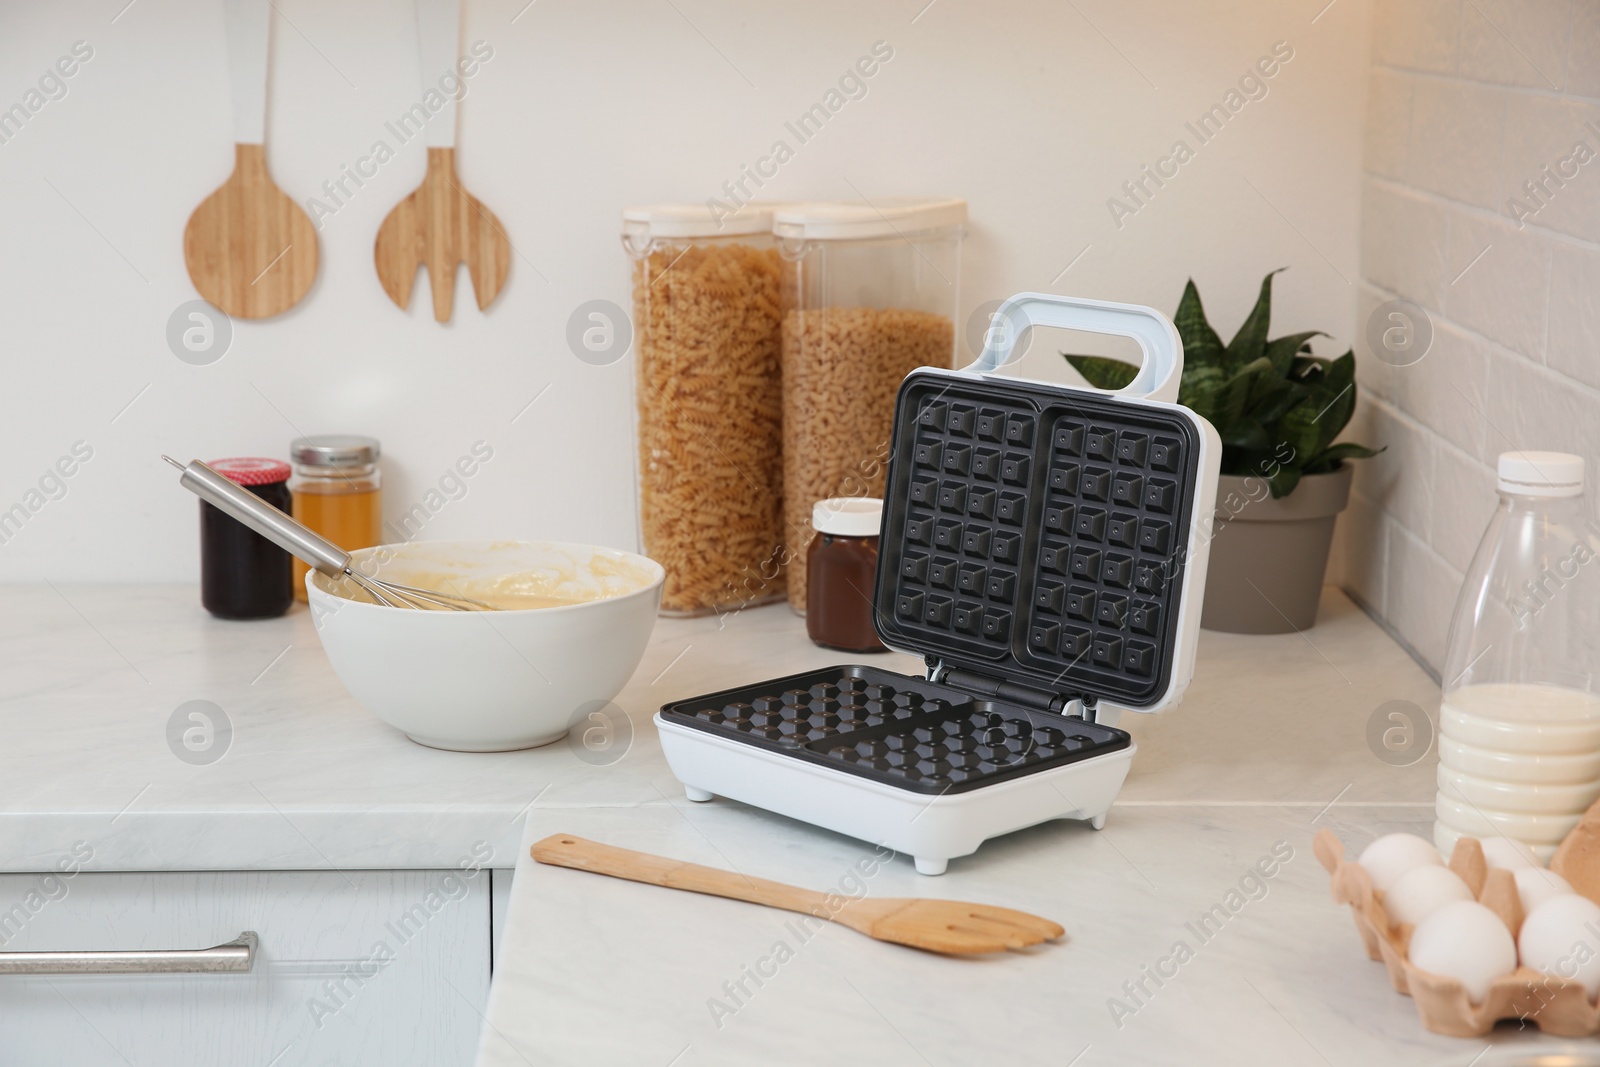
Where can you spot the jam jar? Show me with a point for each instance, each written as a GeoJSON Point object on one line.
{"type": "Point", "coordinates": [841, 566]}
{"type": "Point", "coordinates": [242, 574]}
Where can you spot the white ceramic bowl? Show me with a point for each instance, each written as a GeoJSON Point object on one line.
{"type": "Point", "coordinates": [490, 681]}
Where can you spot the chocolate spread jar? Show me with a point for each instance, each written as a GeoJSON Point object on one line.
{"type": "Point", "coordinates": [841, 566]}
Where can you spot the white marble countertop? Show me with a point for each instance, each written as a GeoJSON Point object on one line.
{"type": "Point", "coordinates": [90, 679]}
{"type": "Point", "coordinates": [1269, 745]}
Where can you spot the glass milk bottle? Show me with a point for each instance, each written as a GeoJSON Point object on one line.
{"type": "Point", "coordinates": [1519, 732]}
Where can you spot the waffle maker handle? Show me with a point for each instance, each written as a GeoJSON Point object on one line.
{"type": "Point", "coordinates": [1157, 338]}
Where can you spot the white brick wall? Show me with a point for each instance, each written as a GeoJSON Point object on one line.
{"type": "Point", "coordinates": [1467, 100]}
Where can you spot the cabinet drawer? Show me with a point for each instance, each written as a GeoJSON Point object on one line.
{"type": "Point", "coordinates": [369, 967]}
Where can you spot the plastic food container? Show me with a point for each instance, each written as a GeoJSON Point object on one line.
{"type": "Point", "coordinates": [706, 313]}
{"type": "Point", "coordinates": [870, 295]}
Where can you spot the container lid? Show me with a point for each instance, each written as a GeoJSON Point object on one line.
{"type": "Point", "coordinates": [848, 516]}
{"type": "Point", "coordinates": [1037, 539]}
{"type": "Point", "coordinates": [251, 470]}
{"type": "Point", "coordinates": [893, 216]}
{"type": "Point", "coordinates": [334, 450]}
{"type": "Point", "coordinates": [1541, 473]}
{"type": "Point", "coordinates": [698, 220]}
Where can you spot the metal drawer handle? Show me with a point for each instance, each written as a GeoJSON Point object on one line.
{"type": "Point", "coordinates": [234, 957]}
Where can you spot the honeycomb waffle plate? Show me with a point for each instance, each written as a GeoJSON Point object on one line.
{"type": "Point", "coordinates": [1038, 533]}
{"type": "Point", "coordinates": [903, 732]}
{"type": "Point", "coordinates": [1554, 1005]}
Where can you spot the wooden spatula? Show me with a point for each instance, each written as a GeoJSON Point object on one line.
{"type": "Point", "coordinates": [441, 225]}
{"type": "Point", "coordinates": [950, 926]}
{"type": "Point", "coordinates": [251, 250]}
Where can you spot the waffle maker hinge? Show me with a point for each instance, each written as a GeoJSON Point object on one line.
{"type": "Point", "coordinates": [992, 688]}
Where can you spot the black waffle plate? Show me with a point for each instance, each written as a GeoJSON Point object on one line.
{"type": "Point", "coordinates": [904, 732]}
{"type": "Point", "coordinates": [1037, 534]}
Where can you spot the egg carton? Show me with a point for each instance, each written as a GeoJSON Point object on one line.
{"type": "Point", "coordinates": [1556, 1006]}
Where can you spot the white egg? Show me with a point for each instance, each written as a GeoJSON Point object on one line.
{"type": "Point", "coordinates": [1535, 885]}
{"type": "Point", "coordinates": [1562, 937]}
{"type": "Point", "coordinates": [1508, 854]}
{"type": "Point", "coordinates": [1421, 891]}
{"type": "Point", "coordinates": [1392, 855]}
{"type": "Point", "coordinates": [1465, 941]}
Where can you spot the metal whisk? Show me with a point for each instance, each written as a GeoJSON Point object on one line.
{"type": "Point", "coordinates": [318, 552]}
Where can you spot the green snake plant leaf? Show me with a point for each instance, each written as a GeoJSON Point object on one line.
{"type": "Point", "coordinates": [1268, 398]}
{"type": "Point", "coordinates": [1282, 350]}
{"type": "Point", "coordinates": [1201, 345]}
{"type": "Point", "coordinates": [1337, 395]}
{"type": "Point", "coordinates": [1230, 401]}
{"type": "Point", "coordinates": [1283, 481]}
{"type": "Point", "coordinates": [1267, 390]}
{"type": "Point", "coordinates": [1310, 426]}
{"type": "Point", "coordinates": [1250, 343]}
{"type": "Point", "coordinates": [1273, 407]}
{"type": "Point", "coordinates": [1248, 384]}
{"type": "Point", "coordinates": [1298, 429]}
{"type": "Point", "coordinates": [1306, 368]}
{"type": "Point", "coordinates": [1247, 435]}
{"type": "Point", "coordinates": [1201, 385]}
{"type": "Point", "coordinates": [1101, 372]}
{"type": "Point", "coordinates": [1330, 458]}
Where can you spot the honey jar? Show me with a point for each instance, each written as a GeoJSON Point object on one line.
{"type": "Point", "coordinates": [336, 491]}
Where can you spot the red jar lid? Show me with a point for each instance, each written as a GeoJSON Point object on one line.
{"type": "Point", "coordinates": [251, 470]}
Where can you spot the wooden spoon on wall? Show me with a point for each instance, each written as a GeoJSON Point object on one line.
{"type": "Point", "coordinates": [440, 224]}
{"type": "Point", "coordinates": [251, 251]}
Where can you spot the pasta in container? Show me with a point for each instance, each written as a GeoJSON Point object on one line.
{"type": "Point", "coordinates": [707, 314]}
{"type": "Point", "coordinates": [869, 295]}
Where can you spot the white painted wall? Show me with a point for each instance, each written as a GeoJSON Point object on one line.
{"type": "Point", "coordinates": [1035, 112]}
{"type": "Point", "coordinates": [1468, 101]}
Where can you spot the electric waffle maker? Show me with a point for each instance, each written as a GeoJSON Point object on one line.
{"type": "Point", "coordinates": [1044, 550]}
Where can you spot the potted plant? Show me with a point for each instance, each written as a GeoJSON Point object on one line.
{"type": "Point", "coordinates": [1277, 409]}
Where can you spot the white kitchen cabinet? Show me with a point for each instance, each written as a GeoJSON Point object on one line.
{"type": "Point", "coordinates": [499, 908]}
{"type": "Point", "coordinates": [364, 967]}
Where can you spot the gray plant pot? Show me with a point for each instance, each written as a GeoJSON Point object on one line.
{"type": "Point", "coordinates": [1268, 557]}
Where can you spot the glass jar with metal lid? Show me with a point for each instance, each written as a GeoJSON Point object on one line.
{"type": "Point", "coordinates": [337, 492]}
{"type": "Point", "coordinates": [242, 574]}
{"type": "Point", "coordinates": [842, 567]}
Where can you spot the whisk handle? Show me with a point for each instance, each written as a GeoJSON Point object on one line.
{"type": "Point", "coordinates": [266, 520]}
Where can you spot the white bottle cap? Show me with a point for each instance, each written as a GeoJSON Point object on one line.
{"type": "Point", "coordinates": [1541, 473]}
{"type": "Point", "coordinates": [848, 516]}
